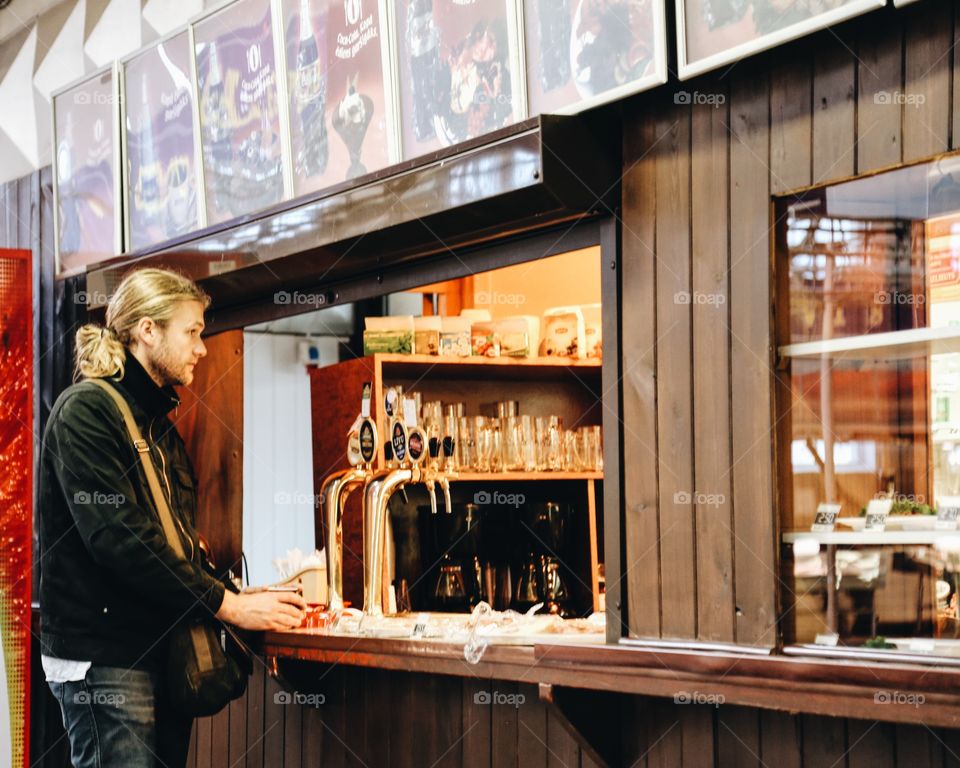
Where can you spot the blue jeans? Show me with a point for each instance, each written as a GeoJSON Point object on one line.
{"type": "Point", "coordinates": [116, 717]}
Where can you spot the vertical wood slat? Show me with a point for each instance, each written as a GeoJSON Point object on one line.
{"type": "Point", "coordinates": [312, 754]}
{"type": "Point", "coordinates": [834, 101]}
{"type": "Point", "coordinates": [531, 729]}
{"type": "Point", "coordinates": [674, 375]}
{"type": "Point", "coordinates": [697, 727]}
{"type": "Point", "coordinates": [273, 727]}
{"type": "Point", "coordinates": [504, 725]}
{"type": "Point", "coordinates": [562, 750]}
{"type": "Point", "coordinates": [781, 739]}
{"type": "Point", "coordinates": [751, 472]}
{"type": "Point", "coordinates": [638, 339]}
{"type": "Point", "coordinates": [879, 73]}
{"type": "Point", "coordinates": [738, 737]}
{"type": "Point", "coordinates": [664, 745]}
{"type": "Point", "coordinates": [709, 302]}
{"type": "Point", "coordinates": [476, 745]}
{"type": "Point", "coordinates": [254, 698]}
{"type": "Point", "coordinates": [293, 737]}
{"type": "Point", "coordinates": [825, 740]}
{"type": "Point", "coordinates": [378, 686]}
{"type": "Point", "coordinates": [791, 124]}
{"type": "Point", "coordinates": [237, 739]}
{"type": "Point", "coordinates": [220, 737]}
{"type": "Point", "coordinates": [871, 744]}
{"type": "Point", "coordinates": [918, 747]}
{"type": "Point", "coordinates": [926, 90]}
{"type": "Point", "coordinates": [203, 751]}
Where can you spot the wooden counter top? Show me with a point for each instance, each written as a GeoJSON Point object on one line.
{"type": "Point", "coordinates": [894, 692]}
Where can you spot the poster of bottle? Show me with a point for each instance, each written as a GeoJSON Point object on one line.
{"type": "Point", "coordinates": [237, 95]}
{"type": "Point", "coordinates": [160, 179]}
{"type": "Point", "coordinates": [711, 33]}
{"type": "Point", "coordinates": [458, 71]}
{"type": "Point", "coordinates": [341, 121]}
{"type": "Point", "coordinates": [86, 165]}
{"type": "Point", "coordinates": [581, 53]}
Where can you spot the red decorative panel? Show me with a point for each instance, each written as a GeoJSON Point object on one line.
{"type": "Point", "coordinates": [16, 502]}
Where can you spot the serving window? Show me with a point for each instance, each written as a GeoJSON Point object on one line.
{"type": "Point", "coordinates": [869, 399]}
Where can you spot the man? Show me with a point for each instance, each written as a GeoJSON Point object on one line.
{"type": "Point", "coordinates": [111, 587]}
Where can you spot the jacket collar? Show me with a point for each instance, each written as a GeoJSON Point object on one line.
{"type": "Point", "coordinates": [156, 401]}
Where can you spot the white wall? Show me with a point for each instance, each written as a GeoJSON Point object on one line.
{"type": "Point", "coordinates": [277, 450]}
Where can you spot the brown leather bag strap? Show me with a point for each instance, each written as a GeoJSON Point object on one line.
{"type": "Point", "coordinates": [143, 451]}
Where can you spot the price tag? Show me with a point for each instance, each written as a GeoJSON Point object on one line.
{"type": "Point", "coordinates": [923, 645]}
{"type": "Point", "coordinates": [365, 400]}
{"type": "Point", "coordinates": [826, 517]}
{"type": "Point", "coordinates": [948, 513]}
{"type": "Point", "coordinates": [827, 638]}
{"type": "Point", "coordinates": [877, 511]}
{"type": "Point", "coordinates": [410, 412]}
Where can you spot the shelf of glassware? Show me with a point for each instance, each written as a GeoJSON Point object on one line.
{"type": "Point", "coordinates": [897, 345]}
{"type": "Point", "coordinates": [491, 367]}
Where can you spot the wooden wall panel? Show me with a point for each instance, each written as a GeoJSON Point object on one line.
{"type": "Point", "coordinates": [879, 72]}
{"type": "Point", "coordinates": [781, 740]}
{"type": "Point", "coordinates": [710, 304]}
{"type": "Point", "coordinates": [738, 738]}
{"type": "Point", "coordinates": [210, 419]}
{"type": "Point", "coordinates": [751, 468]}
{"type": "Point", "coordinates": [872, 744]}
{"type": "Point", "coordinates": [791, 123]}
{"type": "Point", "coordinates": [674, 375]}
{"type": "Point", "coordinates": [927, 93]}
{"type": "Point", "coordinates": [834, 101]}
{"type": "Point", "coordinates": [641, 535]}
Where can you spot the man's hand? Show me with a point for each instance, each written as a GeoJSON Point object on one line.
{"type": "Point", "coordinates": [263, 610]}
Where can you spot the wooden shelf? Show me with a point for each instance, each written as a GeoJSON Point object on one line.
{"type": "Point", "coordinates": [486, 367]}
{"type": "Point", "coordinates": [893, 345]}
{"type": "Point", "coordinates": [872, 537]}
{"type": "Point", "coordinates": [523, 476]}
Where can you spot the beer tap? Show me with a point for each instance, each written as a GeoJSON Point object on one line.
{"type": "Point", "coordinates": [334, 493]}
{"type": "Point", "coordinates": [378, 490]}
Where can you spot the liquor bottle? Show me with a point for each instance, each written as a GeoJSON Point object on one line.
{"type": "Point", "coordinates": [311, 94]}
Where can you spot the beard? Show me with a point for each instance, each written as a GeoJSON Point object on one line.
{"type": "Point", "coordinates": [169, 369]}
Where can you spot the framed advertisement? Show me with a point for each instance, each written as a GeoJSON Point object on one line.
{"type": "Point", "coordinates": [458, 68]}
{"type": "Point", "coordinates": [711, 33]}
{"type": "Point", "coordinates": [161, 178]}
{"type": "Point", "coordinates": [242, 138]}
{"type": "Point", "coordinates": [86, 172]}
{"type": "Point", "coordinates": [581, 53]}
{"type": "Point", "coordinates": [341, 95]}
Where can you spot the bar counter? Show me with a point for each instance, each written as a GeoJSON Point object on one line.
{"type": "Point", "coordinates": [839, 687]}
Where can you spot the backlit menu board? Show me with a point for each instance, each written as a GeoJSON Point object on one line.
{"type": "Point", "coordinates": [86, 164]}
{"type": "Point", "coordinates": [580, 53]}
{"type": "Point", "coordinates": [240, 134]}
{"type": "Point", "coordinates": [458, 70]}
{"type": "Point", "coordinates": [161, 180]}
{"type": "Point", "coordinates": [340, 97]}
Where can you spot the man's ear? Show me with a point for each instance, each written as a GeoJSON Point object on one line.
{"type": "Point", "coordinates": [147, 331]}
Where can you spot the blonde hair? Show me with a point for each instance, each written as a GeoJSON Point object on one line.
{"type": "Point", "coordinates": [153, 293]}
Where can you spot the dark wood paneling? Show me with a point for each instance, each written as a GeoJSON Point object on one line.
{"type": "Point", "coordinates": [641, 529]}
{"type": "Point", "coordinates": [210, 419]}
{"type": "Point", "coordinates": [834, 101]}
{"type": "Point", "coordinates": [709, 301]}
{"type": "Point", "coordinates": [825, 741]}
{"type": "Point", "coordinates": [791, 123]}
{"type": "Point", "coordinates": [750, 361]}
{"type": "Point", "coordinates": [674, 417]}
{"type": "Point", "coordinates": [872, 744]}
{"type": "Point", "coordinates": [879, 72]}
{"type": "Point", "coordinates": [926, 88]}
{"type": "Point", "coordinates": [781, 740]}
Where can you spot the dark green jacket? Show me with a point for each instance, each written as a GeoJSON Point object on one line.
{"type": "Point", "coordinates": [111, 588]}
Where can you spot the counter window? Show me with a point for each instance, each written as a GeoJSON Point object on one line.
{"type": "Point", "coordinates": [869, 401]}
